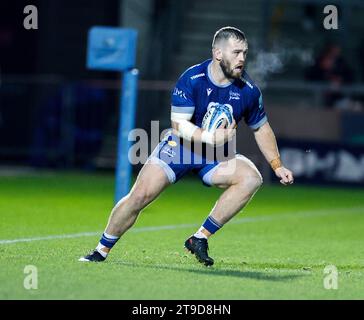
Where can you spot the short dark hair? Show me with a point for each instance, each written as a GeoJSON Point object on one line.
{"type": "Point", "coordinates": [226, 33]}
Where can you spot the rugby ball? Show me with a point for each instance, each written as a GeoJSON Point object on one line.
{"type": "Point", "coordinates": [217, 116]}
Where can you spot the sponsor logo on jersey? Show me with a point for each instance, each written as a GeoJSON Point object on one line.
{"type": "Point", "coordinates": [179, 93]}
{"type": "Point", "coordinates": [172, 143]}
{"type": "Point", "coordinates": [197, 76]}
{"type": "Point", "coordinates": [247, 82]}
{"type": "Point", "coordinates": [209, 90]}
{"type": "Point", "coordinates": [260, 101]}
{"type": "Point", "coordinates": [169, 152]}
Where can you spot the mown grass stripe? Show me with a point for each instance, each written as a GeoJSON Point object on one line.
{"type": "Point", "coordinates": [301, 214]}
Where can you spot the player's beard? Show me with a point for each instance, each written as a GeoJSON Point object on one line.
{"type": "Point", "coordinates": [228, 71]}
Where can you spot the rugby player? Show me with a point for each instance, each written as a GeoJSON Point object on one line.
{"type": "Point", "coordinates": [220, 81]}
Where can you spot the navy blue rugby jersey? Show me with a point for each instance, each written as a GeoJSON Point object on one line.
{"type": "Point", "coordinates": [195, 91]}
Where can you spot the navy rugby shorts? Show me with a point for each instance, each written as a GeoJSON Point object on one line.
{"type": "Point", "coordinates": [178, 157]}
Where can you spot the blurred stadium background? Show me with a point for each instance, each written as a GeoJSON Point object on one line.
{"type": "Point", "coordinates": [56, 116]}
{"type": "Point", "coordinates": [54, 113]}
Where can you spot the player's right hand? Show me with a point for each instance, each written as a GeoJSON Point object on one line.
{"type": "Point", "coordinates": [285, 175]}
{"type": "Point", "coordinates": [221, 136]}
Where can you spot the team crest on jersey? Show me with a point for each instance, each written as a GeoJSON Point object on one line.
{"type": "Point", "coordinates": [234, 95]}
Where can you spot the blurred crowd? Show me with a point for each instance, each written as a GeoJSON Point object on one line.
{"type": "Point", "coordinates": [330, 67]}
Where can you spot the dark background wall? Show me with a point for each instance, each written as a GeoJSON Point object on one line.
{"type": "Point", "coordinates": [56, 113]}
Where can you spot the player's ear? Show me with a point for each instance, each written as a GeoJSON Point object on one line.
{"type": "Point", "coordinates": [217, 54]}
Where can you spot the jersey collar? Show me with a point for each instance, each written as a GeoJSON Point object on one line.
{"type": "Point", "coordinates": [212, 81]}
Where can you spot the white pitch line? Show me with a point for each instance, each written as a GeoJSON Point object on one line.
{"type": "Point", "coordinates": [300, 214]}
{"type": "Point", "coordinates": [60, 236]}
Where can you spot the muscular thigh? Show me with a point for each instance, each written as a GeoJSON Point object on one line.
{"type": "Point", "coordinates": [151, 181]}
{"type": "Point", "coordinates": [234, 171]}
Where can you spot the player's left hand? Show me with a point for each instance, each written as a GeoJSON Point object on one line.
{"type": "Point", "coordinates": [285, 175]}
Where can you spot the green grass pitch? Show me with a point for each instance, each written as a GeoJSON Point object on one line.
{"type": "Point", "coordinates": [277, 248]}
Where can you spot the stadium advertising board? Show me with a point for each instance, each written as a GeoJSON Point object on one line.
{"type": "Point", "coordinates": [314, 162]}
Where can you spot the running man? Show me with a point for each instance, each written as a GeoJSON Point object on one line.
{"type": "Point", "coordinates": [221, 80]}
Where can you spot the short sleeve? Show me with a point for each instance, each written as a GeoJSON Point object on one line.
{"type": "Point", "coordinates": [255, 115]}
{"type": "Point", "coordinates": [182, 96]}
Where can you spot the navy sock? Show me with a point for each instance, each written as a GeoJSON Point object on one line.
{"type": "Point", "coordinates": [108, 240]}
{"type": "Point", "coordinates": [211, 225]}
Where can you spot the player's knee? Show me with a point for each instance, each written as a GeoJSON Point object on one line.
{"type": "Point", "coordinates": [252, 181]}
{"type": "Point", "coordinates": [255, 181]}
{"type": "Point", "coordinates": [140, 198]}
